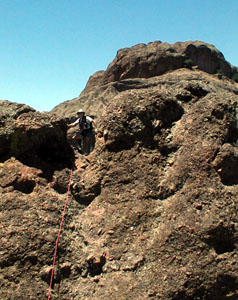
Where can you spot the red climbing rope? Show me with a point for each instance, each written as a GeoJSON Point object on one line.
{"type": "Point", "coordinates": [57, 240]}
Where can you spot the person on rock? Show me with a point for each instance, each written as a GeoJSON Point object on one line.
{"type": "Point", "coordinates": [86, 125]}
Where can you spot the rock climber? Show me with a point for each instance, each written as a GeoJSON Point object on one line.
{"type": "Point", "coordinates": [86, 126]}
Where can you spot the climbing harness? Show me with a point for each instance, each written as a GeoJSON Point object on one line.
{"type": "Point", "coordinates": [57, 240]}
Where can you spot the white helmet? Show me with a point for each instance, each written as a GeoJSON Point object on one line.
{"type": "Point", "coordinates": [80, 111]}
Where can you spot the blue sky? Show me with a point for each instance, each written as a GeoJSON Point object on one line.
{"type": "Point", "coordinates": [49, 48]}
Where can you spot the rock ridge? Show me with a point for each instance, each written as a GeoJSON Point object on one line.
{"type": "Point", "coordinates": [145, 61]}
{"type": "Point", "coordinates": [156, 58]}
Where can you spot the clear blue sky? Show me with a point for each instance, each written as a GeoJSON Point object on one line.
{"type": "Point", "coordinates": [49, 48]}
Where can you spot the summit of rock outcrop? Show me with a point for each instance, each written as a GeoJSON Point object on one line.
{"type": "Point", "coordinates": [157, 58]}
{"type": "Point", "coordinates": [145, 61]}
{"type": "Point", "coordinates": [152, 211]}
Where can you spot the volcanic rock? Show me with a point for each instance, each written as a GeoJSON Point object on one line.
{"type": "Point", "coordinates": [144, 61]}
{"type": "Point", "coordinates": [33, 138]}
{"type": "Point", "coordinates": [152, 211]}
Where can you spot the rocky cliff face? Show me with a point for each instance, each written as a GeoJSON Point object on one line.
{"type": "Point", "coordinates": [152, 212]}
{"type": "Point", "coordinates": [145, 61]}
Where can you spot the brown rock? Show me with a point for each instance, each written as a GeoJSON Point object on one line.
{"type": "Point", "coordinates": [152, 214]}
{"type": "Point", "coordinates": [144, 61]}
{"type": "Point", "coordinates": [36, 139]}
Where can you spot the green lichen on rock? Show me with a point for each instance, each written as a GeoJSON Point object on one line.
{"type": "Point", "coordinates": [19, 140]}
{"type": "Point", "coordinates": [188, 63]}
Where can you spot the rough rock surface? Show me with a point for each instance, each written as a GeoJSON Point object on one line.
{"type": "Point", "coordinates": [152, 212]}
{"type": "Point", "coordinates": [33, 138]}
{"type": "Point", "coordinates": [144, 61]}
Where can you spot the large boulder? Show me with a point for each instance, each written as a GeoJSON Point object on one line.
{"type": "Point", "coordinates": [36, 139]}
{"type": "Point", "coordinates": [153, 59]}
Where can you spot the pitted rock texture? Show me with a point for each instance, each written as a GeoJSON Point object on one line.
{"type": "Point", "coordinates": [152, 211]}
{"type": "Point", "coordinates": [144, 61]}
{"type": "Point", "coordinates": [36, 139]}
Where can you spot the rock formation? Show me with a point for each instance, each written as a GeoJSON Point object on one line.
{"type": "Point", "coordinates": [152, 212]}
{"type": "Point", "coordinates": [144, 61]}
